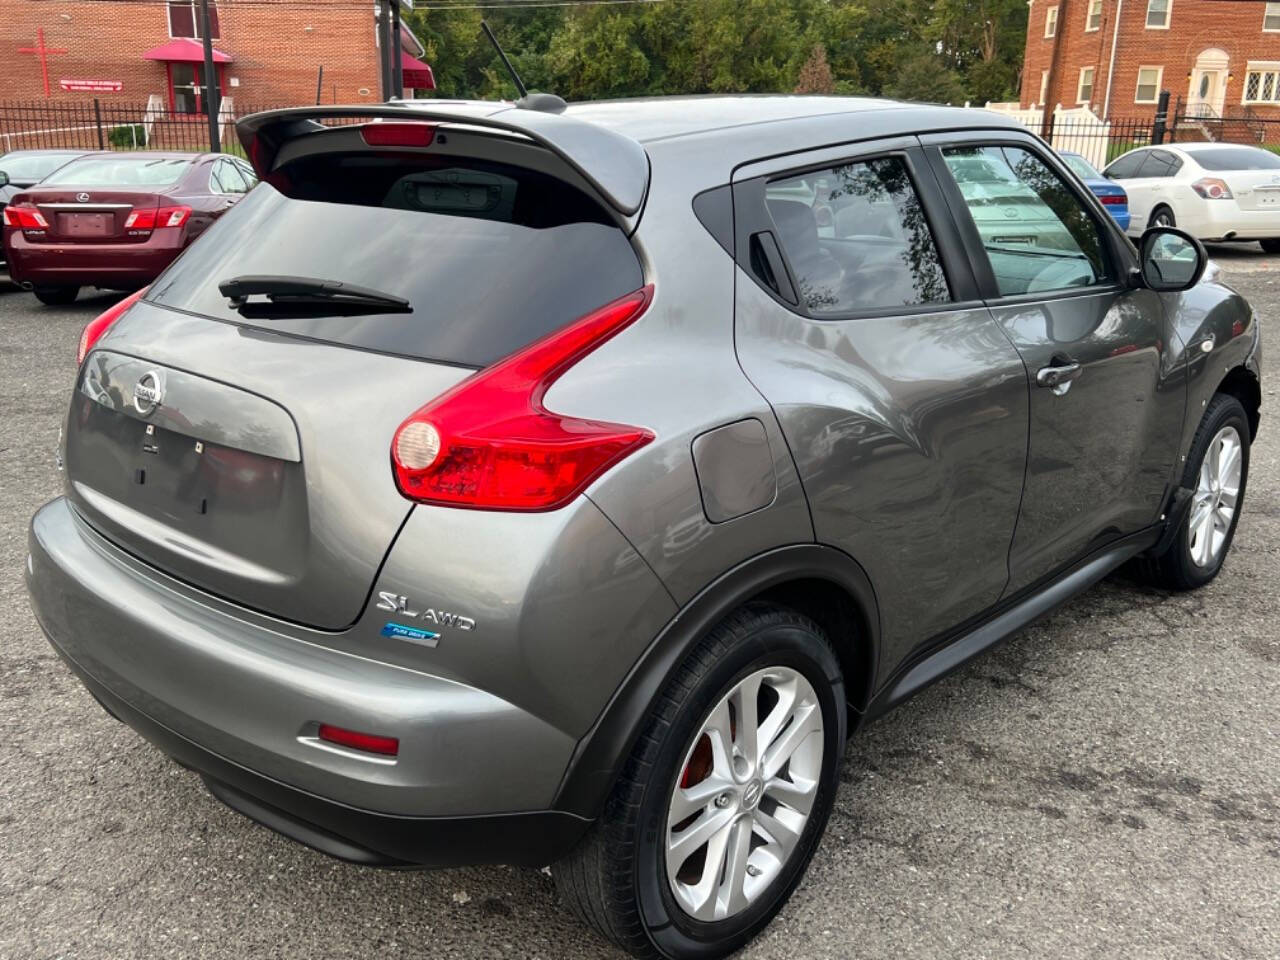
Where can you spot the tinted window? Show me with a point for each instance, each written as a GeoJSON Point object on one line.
{"type": "Point", "coordinates": [120, 171]}
{"type": "Point", "coordinates": [32, 167]}
{"type": "Point", "coordinates": [1126, 168]}
{"type": "Point", "coordinates": [855, 238]}
{"type": "Point", "coordinates": [490, 256]}
{"type": "Point", "coordinates": [1160, 163]}
{"type": "Point", "coordinates": [1038, 234]}
{"type": "Point", "coordinates": [1236, 158]}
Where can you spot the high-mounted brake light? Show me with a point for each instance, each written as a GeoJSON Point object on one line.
{"type": "Point", "coordinates": [398, 134]}
{"type": "Point", "coordinates": [150, 219]}
{"type": "Point", "coordinates": [102, 323]}
{"type": "Point", "coordinates": [25, 216]}
{"type": "Point", "coordinates": [490, 444]}
{"type": "Point", "coordinates": [1211, 188]}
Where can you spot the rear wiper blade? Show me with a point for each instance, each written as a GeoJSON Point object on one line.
{"type": "Point", "coordinates": [289, 296]}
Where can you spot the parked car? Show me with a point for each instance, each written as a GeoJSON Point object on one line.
{"type": "Point", "coordinates": [1214, 191]}
{"type": "Point", "coordinates": [115, 220]}
{"type": "Point", "coordinates": [493, 485]}
{"type": "Point", "coordinates": [20, 169]}
{"type": "Point", "coordinates": [1114, 200]}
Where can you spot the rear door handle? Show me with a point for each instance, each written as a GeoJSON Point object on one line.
{"type": "Point", "coordinates": [1059, 375]}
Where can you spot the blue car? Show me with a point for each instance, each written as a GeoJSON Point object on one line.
{"type": "Point", "coordinates": [1109, 192]}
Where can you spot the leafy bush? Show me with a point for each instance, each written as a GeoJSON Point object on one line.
{"type": "Point", "coordinates": [128, 135]}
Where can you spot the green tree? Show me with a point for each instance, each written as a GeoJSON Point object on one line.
{"type": "Point", "coordinates": [927, 78]}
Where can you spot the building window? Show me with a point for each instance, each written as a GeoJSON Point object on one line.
{"type": "Point", "coordinates": [1051, 21]}
{"type": "Point", "coordinates": [1094, 20]}
{"type": "Point", "coordinates": [1262, 83]}
{"type": "Point", "coordinates": [1148, 84]}
{"type": "Point", "coordinates": [1044, 86]}
{"type": "Point", "coordinates": [1271, 18]}
{"type": "Point", "coordinates": [1084, 91]}
{"type": "Point", "coordinates": [1158, 14]}
{"type": "Point", "coordinates": [184, 19]}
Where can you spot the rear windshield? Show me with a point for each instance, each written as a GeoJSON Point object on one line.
{"type": "Point", "coordinates": [1236, 158]}
{"type": "Point", "coordinates": [33, 166]}
{"type": "Point", "coordinates": [490, 256]}
{"type": "Point", "coordinates": [1080, 167]}
{"type": "Point", "coordinates": [120, 171]}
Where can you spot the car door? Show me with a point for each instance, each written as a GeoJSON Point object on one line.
{"type": "Point", "coordinates": [903, 403]}
{"type": "Point", "coordinates": [1106, 404]}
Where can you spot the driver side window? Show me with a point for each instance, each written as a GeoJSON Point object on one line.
{"type": "Point", "coordinates": [1038, 235]}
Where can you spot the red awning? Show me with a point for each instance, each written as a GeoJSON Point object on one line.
{"type": "Point", "coordinates": [417, 75]}
{"type": "Point", "coordinates": [186, 51]}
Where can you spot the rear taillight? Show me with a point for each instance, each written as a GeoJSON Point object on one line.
{"type": "Point", "coordinates": [1114, 201]}
{"type": "Point", "coordinates": [398, 134]}
{"type": "Point", "coordinates": [1211, 188]}
{"type": "Point", "coordinates": [490, 444]}
{"type": "Point", "coordinates": [102, 323]}
{"type": "Point", "coordinates": [157, 217]}
{"type": "Point", "coordinates": [25, 216]}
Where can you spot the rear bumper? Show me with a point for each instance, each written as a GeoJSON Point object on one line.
{"type": "Point", "coordinates": [235, 701]}
{"type": "Point", "coordinates": [1223, 219]}
{"type": "Point", "coordinates": [112, 265]}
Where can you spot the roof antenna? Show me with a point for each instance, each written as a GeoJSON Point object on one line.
{"type": "Point", "coordinates": [544, 102]}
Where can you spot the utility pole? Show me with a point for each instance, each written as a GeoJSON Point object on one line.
{"type": "Point", "coordinates": [384, 46]}
{"type": "Point", "coordinates": [212, 95]}
{"type": "Point", "coordinates": [397, 68]}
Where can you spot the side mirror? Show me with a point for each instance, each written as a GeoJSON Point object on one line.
{"type": "Point", "coordinates": [4, 179]}
{"type": "Point", "coordinates": [1171, 259]}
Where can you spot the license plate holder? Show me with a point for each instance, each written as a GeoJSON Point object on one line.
{"type": "Point", "coordinates": [87, 224]}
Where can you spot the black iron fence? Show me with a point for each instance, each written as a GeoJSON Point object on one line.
{"type": "Point", "coordinates": [99, 125]}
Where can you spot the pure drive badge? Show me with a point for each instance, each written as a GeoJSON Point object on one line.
{"type": "Point", "coordinates": [399, 631]}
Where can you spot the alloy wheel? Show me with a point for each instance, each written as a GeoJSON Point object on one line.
{"type": "Point", "coordinates": [746, 788]}
{"type": "Point", "coordinates": [1213, 507]}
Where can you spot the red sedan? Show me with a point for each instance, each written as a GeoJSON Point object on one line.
{"type": "Point", "coordinates": [116, 220]}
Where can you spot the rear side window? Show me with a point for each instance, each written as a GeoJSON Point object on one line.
{"type": "Point", "coordinates": [118, 171]}
{"type": "Point", "coordinates": [490, 256]}
{"type": "Point", "coordinates": [1161, 163]}
{"type": "Point", "coordinates": [856, 239]}
{"type": "Point", "coordinates": [1128, 166]}
{"type": "Point", "coordinates": [1236, 158]}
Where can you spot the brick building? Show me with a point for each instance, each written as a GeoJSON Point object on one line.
{"type": "Point", "coordinates": [1221, 57]}
{"type": "Point", "coordinates": [267, 52]}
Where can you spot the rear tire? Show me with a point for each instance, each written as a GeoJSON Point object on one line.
{"type": "Point", "coordinates": [1271, 246]}
{"type": "Point", "coordinates": [1162, 216]}
{"type": "Point", "coordinates": [618, 880]}
{"type": "Point", "coordinates": [56, 296]}
{"type": "Point", "coordinates": [1205, 534]}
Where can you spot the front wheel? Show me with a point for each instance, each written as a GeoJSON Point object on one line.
{"type": "Point", "coordinates": [56, 296]}
{"type": "Point", "coordinates": [1217, 472]}
{"type": "Point", "coordinates": [724, 797]}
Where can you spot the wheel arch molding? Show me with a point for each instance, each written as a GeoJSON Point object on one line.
{"type": "Point", "coordinates": [818, 581]}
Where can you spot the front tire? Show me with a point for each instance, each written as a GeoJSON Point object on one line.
{"type": "Point", "coordinates": [1217, 473]}
{"type": "Point", "coordinates": [56, 296]}
{"type": "Point", "coordinates": [726, 793]}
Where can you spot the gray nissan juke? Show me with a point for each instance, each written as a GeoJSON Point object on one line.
{"type": "Point", "coordinates": [513, 483]}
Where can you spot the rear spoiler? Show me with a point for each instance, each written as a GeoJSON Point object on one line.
{"type": "Point", "coordinates": [614, 164]}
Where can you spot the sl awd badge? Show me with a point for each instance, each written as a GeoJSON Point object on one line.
{"type": "Point", "coordinates": [395, 603]}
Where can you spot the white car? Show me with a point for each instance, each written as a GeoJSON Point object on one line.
{"type": "Point", "coordinates": [1214, 191]}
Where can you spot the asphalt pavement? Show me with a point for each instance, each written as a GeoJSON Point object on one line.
{"type": "Point", "coordinates": [1106, 784]}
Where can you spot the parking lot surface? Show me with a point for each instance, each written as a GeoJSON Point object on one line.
{"type": "Point", "coordinates": [1106, 784]}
